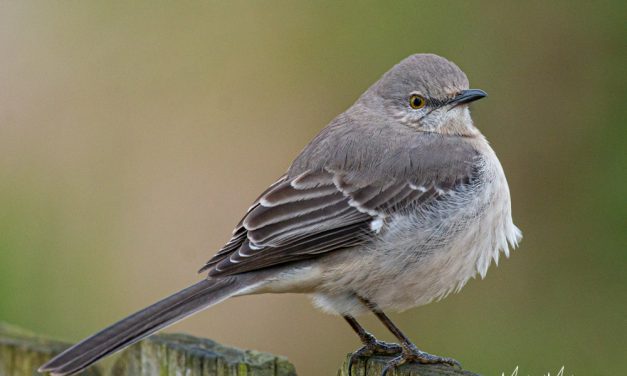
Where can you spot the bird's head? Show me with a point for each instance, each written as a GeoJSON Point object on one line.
{"type": "Point", "coordinates": [428, 93]}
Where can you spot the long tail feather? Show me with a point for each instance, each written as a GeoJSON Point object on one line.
{"type": "Point", "coordinates": [141, 324]}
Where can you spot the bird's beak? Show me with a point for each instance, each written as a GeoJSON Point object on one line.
{"type": "Point", "coordinates": [467, 96]}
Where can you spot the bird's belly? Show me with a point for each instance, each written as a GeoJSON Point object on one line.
{"type": "Point", "coordinates": [422, 257]}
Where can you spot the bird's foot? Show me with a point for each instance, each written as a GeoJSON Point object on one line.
{"type": "Point", "coordinates": [373, 346]}
{"type": "Point", "coordinates": [411, 354]}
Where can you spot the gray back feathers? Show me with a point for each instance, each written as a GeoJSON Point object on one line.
{"type": "Point", "coordinates": [363, 167]}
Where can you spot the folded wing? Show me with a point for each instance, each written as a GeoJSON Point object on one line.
{"type": "Point", "coordinates": [313, 213]}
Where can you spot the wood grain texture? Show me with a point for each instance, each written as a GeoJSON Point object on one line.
{"type": "Point", "coordinates": [373, 366]}
{"type": "Point", "coordinates": [22, 352]}
{"type": "Point", "coordinates": [180, 354]}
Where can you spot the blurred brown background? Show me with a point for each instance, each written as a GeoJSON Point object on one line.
{"type": "Point", "coordinates": [134, 136]}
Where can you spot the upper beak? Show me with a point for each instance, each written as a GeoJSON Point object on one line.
{"type": "Point", "coordinates": [467, 96]}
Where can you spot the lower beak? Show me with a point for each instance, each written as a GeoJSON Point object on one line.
{"type": "Point", "coordinates": [467, 96]}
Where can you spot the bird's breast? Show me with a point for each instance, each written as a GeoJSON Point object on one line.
{"type": "Point", "coordinates": [426, 254]}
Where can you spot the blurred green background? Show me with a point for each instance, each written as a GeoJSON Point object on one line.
{"type": "Point", "coordinates": [134, 135]}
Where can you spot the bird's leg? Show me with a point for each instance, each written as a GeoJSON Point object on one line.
{"type": "Point", "coordinates": [410, 353]}
{"type": "Point", "coordinates": [372, 346]}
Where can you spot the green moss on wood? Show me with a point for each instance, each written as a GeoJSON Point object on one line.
{"type": "Point", "coordinates": [179, 354]}
{"type": "Point", "coordinates": [22, 352]}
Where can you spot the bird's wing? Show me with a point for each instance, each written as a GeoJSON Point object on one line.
{"type": "Point", "coordinates": [317, 212]}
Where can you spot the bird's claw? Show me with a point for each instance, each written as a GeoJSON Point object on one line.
{"type": "Point", "coordinates": [373, 347]}
{"type": "Point", "coordinates": [412, 354]}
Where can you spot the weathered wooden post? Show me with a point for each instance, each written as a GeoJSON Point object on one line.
{"type": "Point", "coordinates": [22, 352]}
{"type": "Point", "coordinates": [180, 354]}
{"type": "Point", "coordinates": [373, 366]}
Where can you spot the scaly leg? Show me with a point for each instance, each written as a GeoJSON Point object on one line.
{"type": "Point", "coordinates": [372, 346]}
{"type": "Point", "coordinates": [410, 353]}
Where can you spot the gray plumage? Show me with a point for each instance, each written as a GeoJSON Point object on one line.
{"type": "Point", "coordinates": [391, 203]}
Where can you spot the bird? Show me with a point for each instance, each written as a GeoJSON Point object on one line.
{"type": "Point", "coordinates": [396, 203]}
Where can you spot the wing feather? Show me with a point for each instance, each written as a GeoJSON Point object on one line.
{"type": "Point", "coordinates": [263, 215]}
{"type": "Point", "coordinates": [317, 212]}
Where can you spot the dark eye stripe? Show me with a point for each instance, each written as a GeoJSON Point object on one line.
{"type": "Point", "coordinates": [434, 102]}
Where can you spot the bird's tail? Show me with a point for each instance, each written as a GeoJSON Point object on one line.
{"type": "Point", "coordinates": [142, 324]}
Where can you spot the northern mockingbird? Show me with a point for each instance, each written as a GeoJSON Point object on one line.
{"type": "Point", "coordinates": [399, 201]}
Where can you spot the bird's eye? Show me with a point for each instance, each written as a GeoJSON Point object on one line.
{"type": "Point", "coordinates": [417, 102]}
